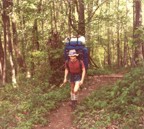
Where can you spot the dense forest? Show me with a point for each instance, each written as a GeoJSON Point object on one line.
{"type": "Point", "coordinates": [32, 41]}
{"type": "Point", "coordinates": [33, 32]}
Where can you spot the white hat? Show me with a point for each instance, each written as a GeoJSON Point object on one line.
{"type": "Point", "coordinates": [73, 53]}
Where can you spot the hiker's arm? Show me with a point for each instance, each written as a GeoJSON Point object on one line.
{"type": "Point", "coordinates": [83, 76]}
{"type": "Point", "coordinates": [65, 75]}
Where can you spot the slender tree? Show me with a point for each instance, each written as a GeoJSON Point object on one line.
{"type": "Point", "coordinates": [77, 6]}
{"type": "Point", "coordinates": [108, 38]}
{"type": "Point", "coordinates": [81, 20]}
{"type": "Point", "coordinates": [1, 62]}
{"type": "Point", "coordinates": [19, 57]}
{"type": "Point", "coordinates": [4, 17]}
{"type": "Point", "coordinates": [137, 39]}
{"type": "Point", "coordinates": [118, 35]}
{"type": "Point", "coordinates": [7, 9]}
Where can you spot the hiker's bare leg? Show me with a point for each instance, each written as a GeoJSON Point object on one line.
{"type": "Point", "coordinates": [73, 96]}
{"type": "Point", "coordinates": [72, 84]}
{"type": "Point", "coordinates": [74, 90]}
{"type": "Point", "coordinates": [76, 87]}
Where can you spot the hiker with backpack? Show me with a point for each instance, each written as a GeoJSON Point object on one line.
{"type": "Point", "coordinates": [75, 69]}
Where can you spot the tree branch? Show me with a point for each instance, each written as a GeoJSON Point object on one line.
{"type": "Point", "coordinates": [90, 17]}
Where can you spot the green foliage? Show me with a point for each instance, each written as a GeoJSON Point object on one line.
{"type": "Point", "coordinates": [120, 105]}
{"type": "Point", "coordinates": [56, 66]}
{"type": "Point", "coordinates": [28, 105]}
{"type": "Point", "coordinates": [99, 71]}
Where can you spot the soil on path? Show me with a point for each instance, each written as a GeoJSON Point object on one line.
{"type": "Point", "coordinates": [62, 118]}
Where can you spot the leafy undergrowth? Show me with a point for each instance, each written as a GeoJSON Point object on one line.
{"type": "Point", "coordinates": [28, 105]}
{"type": "Point", "coordinates": [106, 71]}
{"type": "Point", "coordinates": [118, 106]}
{"type": "Point", "coordinates": [99, 71]}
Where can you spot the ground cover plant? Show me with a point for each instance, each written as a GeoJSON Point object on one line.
{"type": "Point", "coordinates": [120, 106]}
{"type": "Point", "coordinates": [29, 104]}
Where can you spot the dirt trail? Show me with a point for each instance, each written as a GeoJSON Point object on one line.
{"type": "Point", "coordinates": [62, 117]}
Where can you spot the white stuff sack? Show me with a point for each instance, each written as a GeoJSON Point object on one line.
{"type": "Point", "coordinates": [81, 39]}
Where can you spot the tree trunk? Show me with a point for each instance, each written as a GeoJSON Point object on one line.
{"type": "Point", "coordinates": [79, 5]}
{"type": "Point", "coordinates": [137, 24]}
{"type": "Point", "coordinates": [108, 39]}
{"type": "Point", "coordinates": [81, 22]}
{"type": "Point", "coordinates": [35, 37]}
{"type": "Point", "coordinates": [6, 19]}
{"type": "Point", "coordinates": [18, 54]}
{"type": "Point", "coordinates": [125, 55]}
{"type": "Point", "coordinates": [1, 62]}
{"type": "Point", "coordinates": [11, 58]}
{"type": "Point", "coordinates": [125, 52]}
{"type": "Point", "coordinates": [118, 38]}
{"type": "Point", "coordinates": [109, 48]}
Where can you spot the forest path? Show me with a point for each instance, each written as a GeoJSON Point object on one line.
{"type": "Point", "coordinates": [62, 117]}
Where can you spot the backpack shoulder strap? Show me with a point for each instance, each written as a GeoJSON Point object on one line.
{"type": "Point", "coordinates": [80, 64]}
{"type": "Point", "coordinates": [67, 64]}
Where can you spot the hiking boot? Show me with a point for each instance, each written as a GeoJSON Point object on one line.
{"type": "Point", "coordinates": [74, 104]}
{"type": "Point", "coordinates": [71, 103]}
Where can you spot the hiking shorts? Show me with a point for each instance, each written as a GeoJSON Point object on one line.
{"type": "Point", "coordinates": [75, 77]}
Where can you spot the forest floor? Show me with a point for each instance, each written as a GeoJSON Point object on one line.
{"type": "Point", "coordinates": [62, 117]}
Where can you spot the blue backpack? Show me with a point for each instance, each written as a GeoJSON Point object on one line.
{"type": "Point", "coordinates": [80, 48]}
